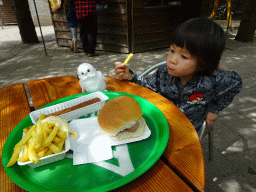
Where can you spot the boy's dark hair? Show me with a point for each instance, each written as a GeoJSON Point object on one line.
{"type": "Point", "coordinates": [204, 39]}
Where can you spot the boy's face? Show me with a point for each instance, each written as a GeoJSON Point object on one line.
{"type": "Point", "coordinates": [180, 63]}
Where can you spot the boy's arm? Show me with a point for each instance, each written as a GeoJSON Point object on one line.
{"type": "Point", "coordinates": [150, 82]}
{"type": "Point", "coordinates": [228, 85]}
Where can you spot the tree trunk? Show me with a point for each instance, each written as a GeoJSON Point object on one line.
{"type": "Point", "coordinates": [247, 26]}
{"type": "Point", "coordinates": [25, 22]}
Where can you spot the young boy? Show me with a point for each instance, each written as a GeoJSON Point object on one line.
{"type": "Point", "coordinates": [191, 78]}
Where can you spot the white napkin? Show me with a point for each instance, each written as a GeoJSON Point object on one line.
{"type": "Point", "coordinates": [92, 144]}
{"type": "Point", "coordinates": [98, 150]}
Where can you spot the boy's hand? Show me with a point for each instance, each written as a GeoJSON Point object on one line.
{"type": "Point", "coordinates": [122, 72]}
{"type": "Point", "coordinates": [210, 118]}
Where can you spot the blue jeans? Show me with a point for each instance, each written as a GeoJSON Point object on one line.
{"type": "Point", "coordinates": [88, 33]}
{"type": "Point", "coordinates": [71, 17]}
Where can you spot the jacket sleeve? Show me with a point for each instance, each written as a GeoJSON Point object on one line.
{"type": "Point", "coordinates": [228, 85]}
{"type": "Point", "coordinates": [150, 82]}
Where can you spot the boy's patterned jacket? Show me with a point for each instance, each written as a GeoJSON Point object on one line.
{"type": "Point", "coordinates": [199, 96]}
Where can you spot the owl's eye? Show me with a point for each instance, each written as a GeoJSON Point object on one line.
{"type": "Point", "coordinates": [82, 73]}
{"type": "Point", "coordinates": [88, 70]}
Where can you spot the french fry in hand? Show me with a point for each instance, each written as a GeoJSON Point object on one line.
{"type": "Point", "coordinates": [128, 59]}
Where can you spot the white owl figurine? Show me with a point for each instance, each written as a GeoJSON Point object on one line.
{"type": "Point", "coordinates": [90, 79]}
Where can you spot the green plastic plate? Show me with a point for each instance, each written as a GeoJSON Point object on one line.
{"type": "Point", "coordinates": [64, 176]}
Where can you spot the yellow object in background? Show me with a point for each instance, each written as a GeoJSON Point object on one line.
{"type": "Point", "coordinates": [55, 4]}
{"type": "Point", "coordinates": [229, 19]}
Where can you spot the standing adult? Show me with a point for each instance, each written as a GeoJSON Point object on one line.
{"type": "Point", "coordinates": [69, 8]}
{"type": "Point", "coordinates": [87, 20]}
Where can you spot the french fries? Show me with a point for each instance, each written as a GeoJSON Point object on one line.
{"type": "Point", "coordinates": [62, 134]}
{"type": "Point", "coordinates": [24, 156]}
{"type": "Point", "coordinates": [39, 135]}
{"type": "Point", "coordinates": [26, 137]}
{"type": "Point", "coordinates": [50, 138]}
{"type": "Point", "coordinates": [16, 152]}
{"type": "Point", "coordinates": [40, 140]}
{"type": "Point", "coordinates": [32, 154]}
{"type": "Point", "coordinates": [54, 148]}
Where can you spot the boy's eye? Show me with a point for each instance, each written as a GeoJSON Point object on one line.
{"type": "Point", "coordinates": [171, 51]}
{"type": "Point", "coordinates": [184, 57]}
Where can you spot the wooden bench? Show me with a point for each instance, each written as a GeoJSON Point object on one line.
{"type": "Point", "coordinates": [14, 107]}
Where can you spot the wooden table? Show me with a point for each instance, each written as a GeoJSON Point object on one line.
{"type": "Point", "coordinates": [14, 107]}
{"type": "Point", "coordinates": [181, 167]}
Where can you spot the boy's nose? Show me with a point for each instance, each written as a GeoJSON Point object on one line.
{"type": "Point", "coordinates": [174, 59]}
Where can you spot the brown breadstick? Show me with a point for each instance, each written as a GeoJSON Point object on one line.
{"type": "Point", "coordinates": [80, 105]}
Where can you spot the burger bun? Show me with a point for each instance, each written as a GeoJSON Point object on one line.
{"type": "Point", "coordinates": [120, 114]}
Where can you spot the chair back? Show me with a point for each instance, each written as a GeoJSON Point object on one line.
{"type": "Point", "coordinates": [152, 68]}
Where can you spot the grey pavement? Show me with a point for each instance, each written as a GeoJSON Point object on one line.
{"type": "Point", "coordinates": [234, 166]}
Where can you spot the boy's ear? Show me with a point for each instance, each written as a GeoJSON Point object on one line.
{"type": "Point", "coordinates": [221, 68]}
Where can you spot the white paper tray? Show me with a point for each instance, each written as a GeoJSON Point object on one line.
{"type": "Point", "coordinates": [90, 125]}
{"type": "Point", "coordinates": [73, 114]}
{"type": "Point", "coordinates": [48, 159]}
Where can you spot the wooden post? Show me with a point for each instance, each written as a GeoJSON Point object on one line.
{"type": "Point", "coordinates": [1, 23]}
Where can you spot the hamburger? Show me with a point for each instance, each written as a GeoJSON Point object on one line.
{"type": "Point", "coordinates": [121, 118]}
